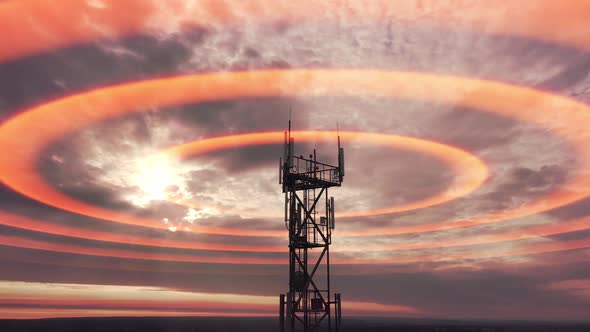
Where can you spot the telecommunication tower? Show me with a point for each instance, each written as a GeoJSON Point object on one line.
{"type": "Point", "coordinates": [308, 306]}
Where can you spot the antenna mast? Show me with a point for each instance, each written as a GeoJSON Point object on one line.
{"type": "Point", "coordinates": [308, 306]}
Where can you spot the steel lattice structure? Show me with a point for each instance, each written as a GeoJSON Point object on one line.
{"type": "Point", "coordinates": [308, 305]}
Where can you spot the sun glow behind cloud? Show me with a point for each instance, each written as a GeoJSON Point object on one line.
{"type": "Point", "coordinates": [157, 179]}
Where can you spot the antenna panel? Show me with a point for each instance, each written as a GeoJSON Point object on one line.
{"type": "Point", "coordinates": [341, 161]}
{"type": "Point", "coordinates": [332, 208]}
{"type": "Point", "coordinates": [291, 151]}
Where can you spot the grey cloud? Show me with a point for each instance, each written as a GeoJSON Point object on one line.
{"type": "Point", "coordinates": [483, 294]}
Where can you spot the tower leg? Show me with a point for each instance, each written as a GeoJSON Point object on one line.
{"type": "Point", "coordinates": [338, 310]}
{"type": "Point", "coordinates": [282, 313]}
{"type": "Point", "coordinates": [290, 316]}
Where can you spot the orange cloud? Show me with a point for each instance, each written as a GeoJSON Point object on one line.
{"type": "Point", "coordinates": [71, 113]}
{"type": "Point", "coordinates": [111, 300]}
{"type": "Point", "coordinates": [76, 21]}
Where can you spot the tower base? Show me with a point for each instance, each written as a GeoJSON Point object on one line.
{"type": "Point", "coordinates": [288, 323]}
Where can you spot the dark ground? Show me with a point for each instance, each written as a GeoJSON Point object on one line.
{"type": "Point", "coordinates": [153, 324]}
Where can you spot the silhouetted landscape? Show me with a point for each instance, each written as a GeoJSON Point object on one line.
{"type": "Point", "coordinates": [156, 324]}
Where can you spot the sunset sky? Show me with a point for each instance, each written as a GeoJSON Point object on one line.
{"type": "Point", "coordinates": [141, 140]}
